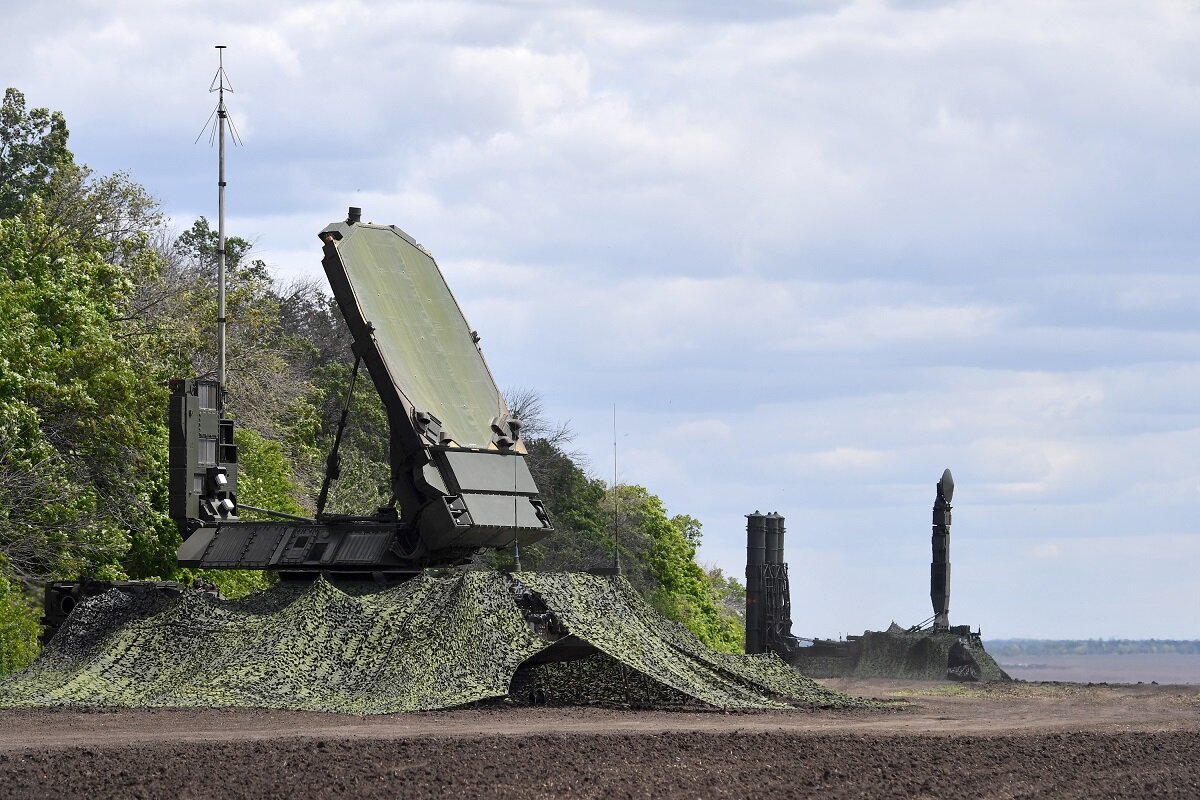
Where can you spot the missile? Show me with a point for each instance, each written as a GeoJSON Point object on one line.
{"type": "Point", "coordinates": [939, 569]}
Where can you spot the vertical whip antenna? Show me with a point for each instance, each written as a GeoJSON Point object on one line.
{"type": "Point", "coordinates": [220, 84]}
{"type": "Point", "coordinates": [616, 498]}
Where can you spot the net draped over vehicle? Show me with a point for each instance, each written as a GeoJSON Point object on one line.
{"type": "Point", "coordinates": [438, 641]}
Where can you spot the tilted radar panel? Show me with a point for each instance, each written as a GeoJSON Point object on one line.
{"type": "Point", "coordinates": [391, 291]}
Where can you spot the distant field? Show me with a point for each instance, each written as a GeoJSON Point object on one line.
{"type": "Point", "coordinates": [1127, 668]}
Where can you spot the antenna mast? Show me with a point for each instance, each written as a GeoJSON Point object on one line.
{"type": "Point", "coordinates": [221, 115]}
{"type": "Point", "coordinates": [616, 497]}
{"type": "Point", "coordinates": [220, 85]}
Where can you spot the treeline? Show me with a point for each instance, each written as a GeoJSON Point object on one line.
{"type": "Point", "coordinates": [1090, 647]}
{"type": "Point", "coordinates": [102, 304]}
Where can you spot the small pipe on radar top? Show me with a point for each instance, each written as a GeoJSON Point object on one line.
{"type": "Point", "coordinates": [939, 569]}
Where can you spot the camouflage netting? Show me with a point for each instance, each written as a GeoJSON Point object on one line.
{"type": "Point", "coordinates": [437, 641]}
{"type": "Point", "coordinates": [900, 653]}
{"type": "Point", "coordinates": [925, 655]}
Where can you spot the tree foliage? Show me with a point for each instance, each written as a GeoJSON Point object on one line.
{"type": "Point", "coordinates": [33, 145]}
{"type": "Point", "coordinates": [19, 626]}
{"type": "Point", "coordinates": [80, 416]}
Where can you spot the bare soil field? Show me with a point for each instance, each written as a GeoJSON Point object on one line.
{"type": "Point", "coordinates": [936, 740]}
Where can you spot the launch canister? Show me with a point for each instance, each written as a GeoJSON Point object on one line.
{"type": "Point", "coordinates": [756, 556]}
{"type": "Point", "coordinates": [939, 570]}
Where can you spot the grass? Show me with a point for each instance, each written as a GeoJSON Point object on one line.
{"type": "Point", "coordinates": [990, 690]}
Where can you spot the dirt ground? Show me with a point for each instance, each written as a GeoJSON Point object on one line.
{"type": "Point", "coordinates": [939, 740]}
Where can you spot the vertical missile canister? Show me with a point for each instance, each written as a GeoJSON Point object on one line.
{"type": "Point", "coordinates": [774, 526]}
{"type": "Point", "coordinates": [939, 570]}
{"type": "Point", "coordinates": [777, 595]}
{"type": "Point", "coordinates": [756, 553]}
{"type": "Point", "coordinates": [781, 530]}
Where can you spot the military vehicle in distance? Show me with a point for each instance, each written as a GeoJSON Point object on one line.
{"type": "Point", "coordinates": [933, 649]}
{"type": "Point", "coordinates": [459, 478]}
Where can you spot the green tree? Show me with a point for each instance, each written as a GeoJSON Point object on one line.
{"type": "Point", "coordinates": [80, 399]}
{"type": "Point", "coordinates": [275, 337]}
{"type": "Point", "coordinates": [264, 476]}
{"type": "Point", "coordinates": [81, 408]}
{"type": "Point", "coordinates": [33, 145]}
{"type": "Point", "coordinates": [730, 596]}
{"type": "Point", "coordinates": [19, 626]}
{"type": "Point", "coordinates": [365, 482]}
{"type": "Point", "coordinates": [683, 592]}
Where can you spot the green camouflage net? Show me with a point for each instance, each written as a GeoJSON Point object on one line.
{"type": "Point", "coordinates": [900, 653]}
{"type": "Point", "coordinates": [924, 655]}
{"type": "Point", "coordinates": [437, 641]}
{"type": "Point", "coordinates": [610, 615]}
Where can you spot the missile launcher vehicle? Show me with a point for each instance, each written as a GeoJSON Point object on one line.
{"type": "Point", "coordinates": [933, 649]}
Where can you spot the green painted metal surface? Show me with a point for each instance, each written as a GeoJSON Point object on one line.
{"type": "Point", "coordinates": [420, 331]}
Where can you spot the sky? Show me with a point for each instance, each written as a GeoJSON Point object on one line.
{"type": "Point", "coordinates": [813, 253]}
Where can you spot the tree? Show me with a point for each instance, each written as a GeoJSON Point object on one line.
{"type": "Point", "coordinates": [730, 596]}
{"type": "Point", "coordinates": [536, 426]}
{"type": "Point", "coordinates": [82, 414]}
{"type": "Point", "coordinates": [666, 547]}
{"type": "Point", "coordinates": [264, 477]}
{"type": "Point", "coordinates": [19, 626]}
{"type": "Point", "coordinates": [33, 145]}
{"type": "Point", "coordinates": [111, 214]}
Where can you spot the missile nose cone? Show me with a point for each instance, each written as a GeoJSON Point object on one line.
{"type": "Point", "coordinates": [946, 485]}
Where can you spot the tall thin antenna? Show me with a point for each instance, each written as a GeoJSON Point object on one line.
{"type": "Point", "coordinates": [220, 84]}
{"type": "Point", "coordinates": [616, 551]}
